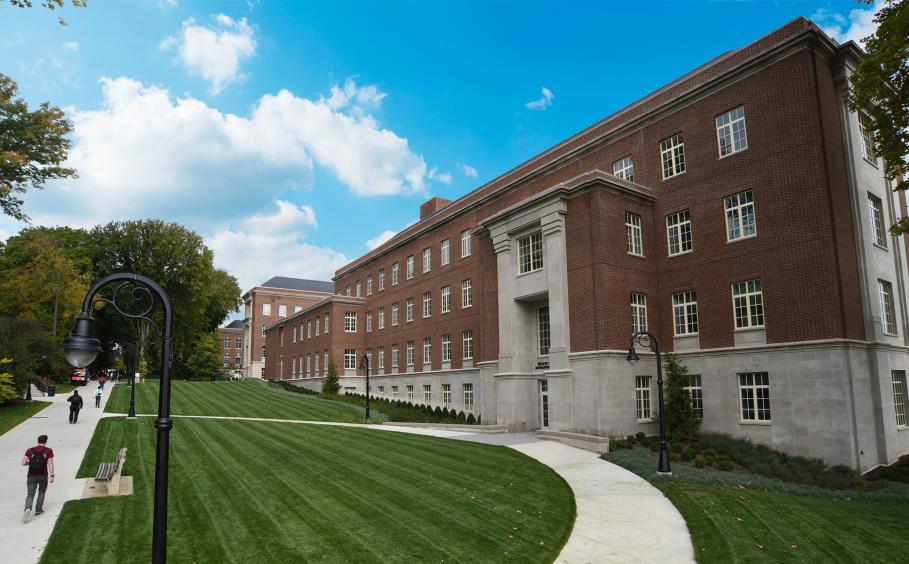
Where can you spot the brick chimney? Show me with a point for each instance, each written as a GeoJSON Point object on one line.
{"type": "Point", "coordinates": [432, 206]}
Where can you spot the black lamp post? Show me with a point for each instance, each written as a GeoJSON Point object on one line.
{"type": "Point", "coordinates": [646, 339]}
{"type": "Point", "coordinates": [82, 347]}
{"type": "Point", "coordinates": [364, 363]}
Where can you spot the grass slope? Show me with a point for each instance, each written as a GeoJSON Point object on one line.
{"type": "Point", "coordinates": [15, 413]}
{"type": "Point", "coordinates": [247, 398]}
{"type": "Point", "coordinates": [277, 492]}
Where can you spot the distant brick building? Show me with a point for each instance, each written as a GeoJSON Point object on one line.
{"type": "Point", "coordinates": [738, 212]}
{"type": "Point", "coordinates": [231, 339]}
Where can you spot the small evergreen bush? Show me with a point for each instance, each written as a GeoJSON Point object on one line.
{"type": "Point", "coordinates": [700, 463]}
{"type": "Point", "coordinates": [330, 384]}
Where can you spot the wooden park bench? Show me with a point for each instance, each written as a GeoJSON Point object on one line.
{"type": "Point", "coordinates": [107, 479]}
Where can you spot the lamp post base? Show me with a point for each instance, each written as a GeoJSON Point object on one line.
{"type": "Point", "coordinates": [664, 473]}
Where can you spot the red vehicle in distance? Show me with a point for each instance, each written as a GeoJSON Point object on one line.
{"type": "Point", "coordinates": [79, 377]}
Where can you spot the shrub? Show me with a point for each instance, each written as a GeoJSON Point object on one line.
{"type": "Point", "coordinates": [725, 464]}
{"type": "Point", "coordinates": [653, 445]}
{"type": "Point", "coordinates": [642, 438]}
{"type": "Point", "coordinates": [700, 463]}
{"type": "Point", "coordinates": [619, 444]}
{"type": "Point", "coordinates": [471, 419]}
{"type": "Point", "coordinates": [630, 439]}
{"type": "Point", "coordinates": [331, 384]}
{"type": "Point", "coordinates": [689, 454]}
{"type": "Point", "coordinates": [674, 456]}
{"type": "Point", "coordinates": [711, 452]}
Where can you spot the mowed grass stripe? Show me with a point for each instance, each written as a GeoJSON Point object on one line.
{"type": "Point", "coordinates": [244, 491]}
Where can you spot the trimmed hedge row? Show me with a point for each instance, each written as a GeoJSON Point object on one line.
{"type": "Point", "coordinates": [406, 412]}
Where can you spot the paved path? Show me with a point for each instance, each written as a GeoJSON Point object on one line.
{"type": "Point", "coordinates": [22, 543]}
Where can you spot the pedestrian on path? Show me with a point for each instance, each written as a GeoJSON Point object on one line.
{"type": "Point", "coordinates": [98, 393]}
{"type": "Point", "coordinates": [75, 404]}
{"type": "Point", "coordinates": [102, 380]}
{"type": "Point", "coordinates": [40, 462]}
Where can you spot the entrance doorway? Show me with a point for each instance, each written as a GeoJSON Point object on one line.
{"type": "Point", "coordinates": [544, 404]}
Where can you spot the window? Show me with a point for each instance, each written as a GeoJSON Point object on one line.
{"type": "Point", "coordinates": [381, 389]}
{"type": "Point", "coordinates": [740, 216]}
{"type": "Point", "coordinates": [427, 304]}
{"type": "Point", "coordinates": [263, 372]}
{"type": "Point", "coordinates": [325, 364]}
{"type": "Point", "coordinates": [226, 359]}
{"type": "Point", "coordinates": [348, 289]}
{"type": "Point", "coordinates": [350, 322]}
{"type": "Point", "coordinates": [427, 260]}
{"type": "Point", "coordinates": [394, 391]}
{"type": "Point", "coordinates": [263, 352]}
{"type": "Point", "coordinates": [266, 309]}
{"type": "Point", "coordinates": [543, 329]}
{"type": "Point", "coordinates": [730, 131]}
{"type": "Point", "coordinates": [465, 243]}
{"type": "Point", "coordinates": [427, 350]}
{"type": "Point", "coordinates": [468, 395]}
{"type": "Point", "coordinates": [318, 319]}
{"type": "Point", "coordinates": [445, 252]}
{"type": "Point", "coordinates": [308, 364]}
{"type": "Point", "coordinates": [227, 343]}
{"type": "Point", "coordinates": [239, 343]}
{"type": "Point", "coordinates": [281, 336]}
{"type": "Point", "coordinates": [309, 329]}
{"type": "Point", "coordinates": [888, 316]}
{"type": "Point", "coordinates": [409, 312]}
{"type": "Point", "coordinates": [876, 213]}
{"type": "Point", "coordinates": [394, 314]}
{"type": "Point", "coordinates": [409, 273]}
{"type": "Point", "coordinates": [678, 232]}
{"type": "Point", "coordinates": [395, 271]}
{"type": "Point", "coordinates": [369, 285]}
{"type": "Point", "coordinates": [381, 279]}
{"type": "Point", "coordinates": [685, 313]}
{"type": "Point", "coordinates": [295, 334]}
{"type": "Point", "coordinates": [359, 286]}
{"type": "Point", "coordinates": [409, 353]}
{"type": "Point", "coordinates": [466, 293]}
{"type": "Point", "coordinates": [369, 359]}
{"type": "Point", "coordinates": [446, 348]}
{"type": "Point", "coordinates": [748, 304]}
{"type": "Point", "coordinates": [350, 359]}
{"type": "Point", "coordinates": [642, 398]}
{"type": "Point", "coordinates": [754, 391]}
{"type": "Point", "coordinates": [638, 312]}
{"type": "Point", "coordinates": [382, 358]}
{"type": "Point", "coordinates": [410, 392]}
{"type": "Point", "coordinates": [263, 329]}
{"type": "Point", "coordinates": [468, 344]}
{"type": "Point", "coordinates": [298, 309]}
{"type": "Point", "coordinates": [446, 394]}
{"type": "Point", "coordinates": [394, 357]}
{"type": "Point", "coordinates": [697, 394]}
{"type": "Point", "coordinates": [624, 168]}
{"type": "Point", "coordinates": [237, 361]}
{"type": "Point", "coordinates": [446, 299]}
{"type": "Point", "coordinates": [672, 151]}
{"type": "Point", "coordinates": [368, 321]}
{"type": "Point", "coordinates": [899, 397]}
{"type": "Point", "coordinates": [427, 393]}
{"type": "Point", "coordinates": [326, 323]}
{"type": "Point", "coordinates": [633, 234]}
{"type": "Point", "coordinates": [282, 311]}
{"type": "Point", "coordinates": [315, 371]}
{"type": "Point", "coordinates": [530, 252]}
{"type": "Point", "coordinates": [382, 317]}
{"type": "Point", "coordinates": [867, 137]}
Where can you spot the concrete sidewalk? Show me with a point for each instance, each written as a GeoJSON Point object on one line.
{"type": "Point", "coordinates": [23, 542]}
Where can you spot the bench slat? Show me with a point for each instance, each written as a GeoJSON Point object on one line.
{"type": "Point", "coordinates": [107, 470]}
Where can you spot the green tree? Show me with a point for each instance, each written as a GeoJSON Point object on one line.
{"type": "Point", "coordinates": [681, 421]}
{"type": "Point", "coordinates": [204, 360]}
{"type": "Point", "coordinates": [33, 147]}
{"type": "Point", "coordinates": [34, 351]}
{"type": "Point", "coordinates": [51, 5]}
{"type": "Point", "coordinates": [880, 87]}
{"type": "Point", "coordinates": [8, 390]}
{"type": "Point", "coordinates": [331, 384]}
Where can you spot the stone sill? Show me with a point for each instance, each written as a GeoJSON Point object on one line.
{"type": "Point", "coordinates": [593, 443]}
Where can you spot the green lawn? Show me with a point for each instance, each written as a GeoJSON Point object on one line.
{"type": "Point", "coordinates": [246, 492]}
{"type": "Point", "coordinates": [737, 517]}
{"type": "Point", "coordinates": [15, 413]}
{"type": "Point", "coordinates": [246, 398]}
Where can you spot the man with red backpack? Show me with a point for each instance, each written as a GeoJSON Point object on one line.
{"type": "Point", "coordinates": [40, 462]}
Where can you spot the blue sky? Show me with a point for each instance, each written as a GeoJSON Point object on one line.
{"type": "Point", "coordinates": [291, 135]}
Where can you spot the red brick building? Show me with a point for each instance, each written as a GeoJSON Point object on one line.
{"type": "Point", "coordinates": [231, 339]}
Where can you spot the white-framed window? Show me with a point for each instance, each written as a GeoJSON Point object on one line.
{"type": "Point", "coordinates": [672, 153]}
{"type": "Point", "coordinates": [446, 348]}
{"type": "Point", "coordinates": [266, 309]}
{"type": "Point", "coordinates": [348, 289]}
{"type": "Point", "coordinates": [446, 394]}
{"type": "Point", "coordinates": [237, 361]}
{"type": "Point", "coordinates": [381, 279]}
{"type": "Point", "coordinates": [427, 304]}
{"type": "Point", "coordinates": [696, 393]}
{"type": "Point", "coordinates": [226, 359]}
{"type": "Point", "coordinates": [369, 285]}
{"type": "Point", "coordinates": [740, 216]}
{"type": "Point", "coordinates": [427, 350]}
{"type": "Point", "coordinates": [227, 343]}
{"type": "Point", "coordinates": [359, 286]}
{"type": "Point", "coordinates": [239, 343]}
{"type": "Point", "coordinates": [876, 215]}
{"type": "Point", "coordinates": [427, 393]}
{"type": "Point", "coordinates": [263, 352]}
{"type": "Point", "coordinates": [381, 389]}
{"type": "Point", "coordinates": [315, 370]}
{"type": "Point", "coordinates": [467, 389]}
{"type": "Point", "coordinates": [263, 329]}
{"type": "Point", "coordinates": [369, 359]}
{"type": "Point", "coordinates": [395, 273]}
{"type": "Point", "coordinates": [309, 329]}
{"type": "Point", "coordinates": [638, 312]}
{"type": "Point", "coordinates": [678, 232]}
{"type": "Point", "coordinates": [325, 363]}
{"type": "Point", "coordinates": [466, 293]}
{"type": "Point", "coordinates": [308, 364]}
{"type": "Point", "coordinates": [298, 309]}
{"type": "Point", "coordinates": [530, 252]}
{"type": "Point", "coordinates": [427, 259]}
{"type": "Point", "coordinates": [543, 330]}
{"type": "Point", "coordinates": [263, 372]}
{"type": "Point", "coordinates": [685, 313]}
{"type": "Point", "coordinates": [633, 234]}
{"type": "Point", "coordinates": [867, 137]}
{"type": "Point", "coordinates": [326, 322]}
{"type": "Point", "coordinates": [748, 304]}
{"type": "Point", "coordinates": [445, 252]}
{"type": "Point", "coordinates": [382, 359]}
{"type": "Point", "coordinates": [281, 336]}
{"type": "Point", "coordinates": [888, 315]}
{"type": "Point", "coordinates": [898, 379]}
{"type": "Point", "coordinates": [350, 322]}
{"type": "Point", "coordinates": [318, 325]}
{"type": "Point", "coordinates": [295, 335]}
{"type": "Point", "coordinates": [394, 357]}
{"type": "Point", "coordinates": [730, 131]}
{"type": "Point", "coordinates": [410, 392]}
{"type": "Point", "coordinates": [642, 398]}
{"type": "Point", "coordinates": [409, 309]}
{"type": "Point", "coordinates": [446, 299]}
{"type": "Point", "coordinates": [409, 268]}
{"type": "Point", "coordinates": [465, 243]}
{"type": "Point", "coordinates": [754, 392]}
{"type": "Point", "coordinates": [382, 317]}
{"type": "Point", "coordinates": [624, 168]}
{"type": "Point", "coordinates": [394, 391]}
{"type": "Point", "coordinates": [350, 359]}
{"type": "Point", "coordinates": [394, 314]}
{"type": "Point", "coordinates": [368, 321]}
{"type": "Point", "coordinates": [409, 353]}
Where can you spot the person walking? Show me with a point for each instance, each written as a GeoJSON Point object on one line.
{"type": "Point", "coordinates": [98, 393]}
{"type": "Point", "coordinates": [40, 462]}
{"type": "Point", "coordinates": [102, 380]}
{"type": "Point", "coordinates": [75, 404]}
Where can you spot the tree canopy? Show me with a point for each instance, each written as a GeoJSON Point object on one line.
{"type": "Point", "coordinates": [52, 5]}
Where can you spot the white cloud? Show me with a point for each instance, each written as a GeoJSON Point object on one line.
{"type": "Point", "coordinates": [214, 53]}
{"type": "Point", "coordinates": [856, 27]}
{"type": "Point", "coordinates": [543, 102]}
{"type": "Point", "coordinates": [443, 177]}
{"type": "Point", "coordinates": [468, 170]}
{"type": "Point", "coordinates": [71, 45]}
{"type": "Point", "coordinates": [358, 97]}
{"type": "Point", "coordinates": [380, 239]}
{"type": "Point", "coordinates": [165, 4]}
